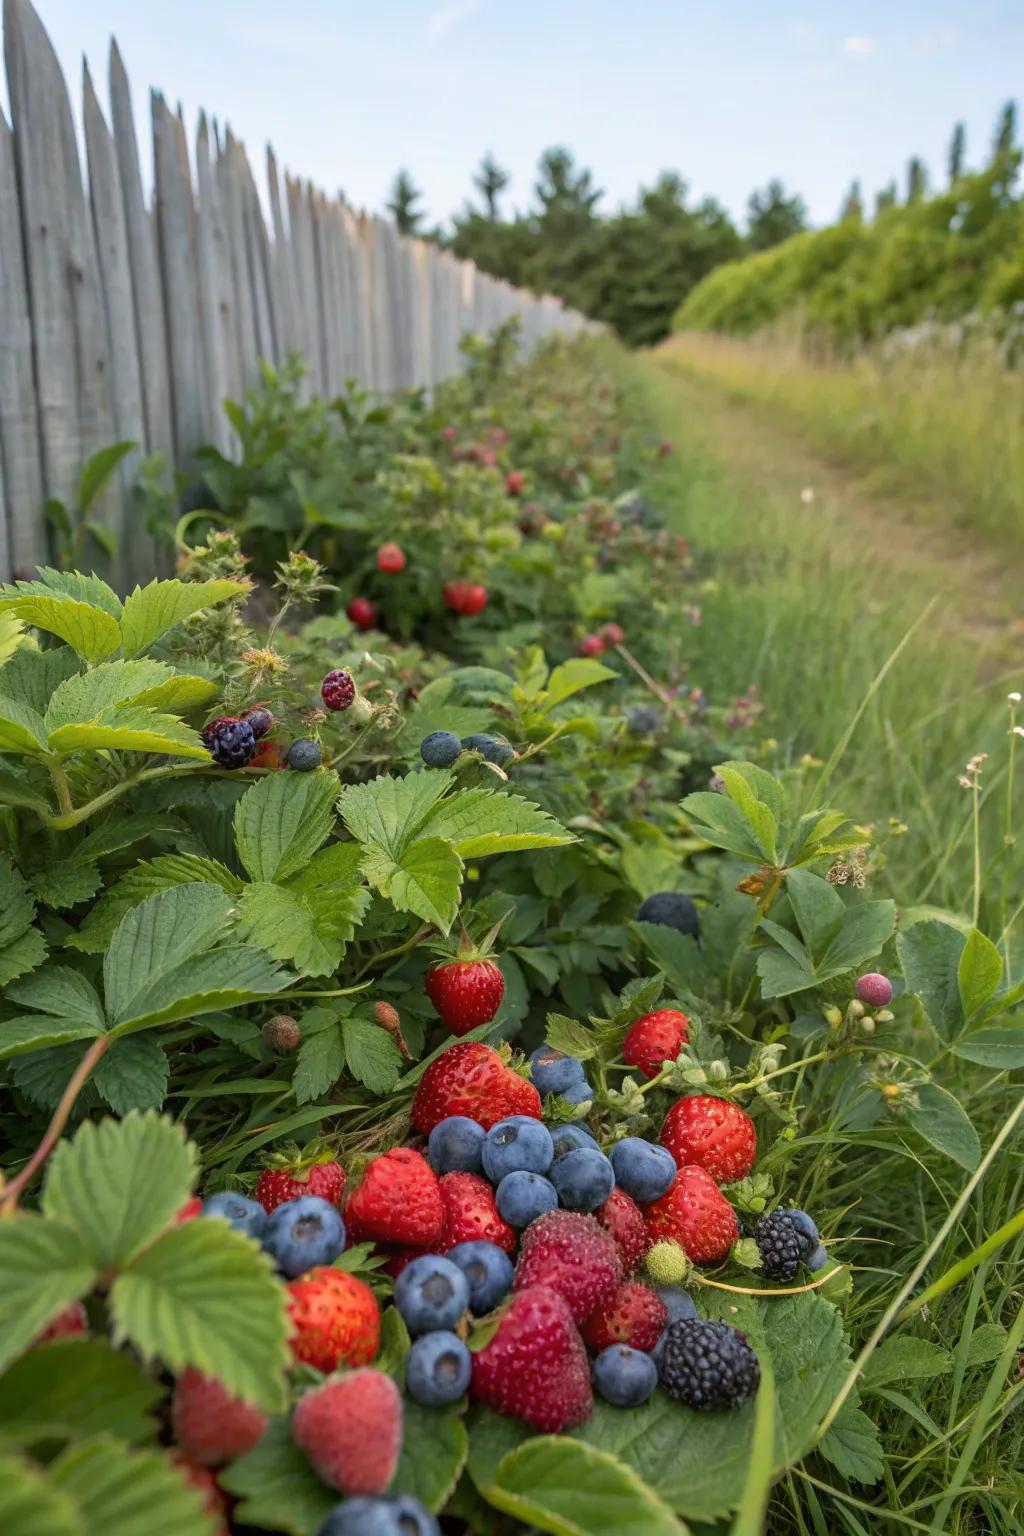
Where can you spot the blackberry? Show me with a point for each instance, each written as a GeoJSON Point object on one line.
{"type": "Point", "coordinates": [782, 1243]}
{"type": "Point", "coordinates": [338, 689]}
{"type": "Point", "coordinates": [672, 909]}
{"type": "Point", "coordinates": [643, 720]}
{"type": "Point", "coordinates": [708, 1365]}
{"type": "Point", "coordinates": [231, 742]}
{"type": "Point", "coordinates": [260, 719]}
{"type": "Point", "coordinates": [304, 755]}
{"type": "Point", "coordinates": [492, 750]}
{"type": "Point", "coordinates": [440, 749]}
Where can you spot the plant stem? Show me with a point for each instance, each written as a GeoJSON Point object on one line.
{"type": "Point", "coordinates": [656, 688]}
{"type": "Point", "coordinates": [782, 1290]}
{"type": "Point", "coordinates": [74, 817]}
{"type": "Point", "coordinates": [794, 1066]}
{"type": "Point", "coordinates": [976, 826]}
{"type": "Point", "coordinates": [79, 1078]}
{"type": "Point", "coordinates": [60, 784]}
{"type": "Point", "coordinates": [392, 954]}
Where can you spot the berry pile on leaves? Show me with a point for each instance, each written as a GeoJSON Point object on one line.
{"type": "Point", "coordinates": [500, 994]}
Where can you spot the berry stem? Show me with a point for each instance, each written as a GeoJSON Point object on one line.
{"type": "Point", "coordinates": [79, 1078]}
{"type": "Point", "coordinates": [780, 1290]}
{"type": "Point", "coordinates": [794, 1066]}
{"type": "Point", "coordinates": [60, 784]}
{"type": "Point", "coordinates": [392, 954]}
{"type": "Point", "coordinates": [656, 688]}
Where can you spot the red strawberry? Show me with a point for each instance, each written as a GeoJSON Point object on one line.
{"type": "Point", "coordinates": [390, 559]}
{"type": "Point", "coordinates": [471, 1214]}
{"type": "Point", "coordinates": [694, 1213]}
{"type": "Point", "coordinates": [276, 1185]}
{"type": "Point", "coordinates": [592, 645]}
{"type": "Point", "coordinates": [188, 1212]}
{"type": "Point", "coordinates": [612, 634]}
{"type": "Point", "coordinates": [396, 1259]}
{"type": "Point", "coordinates": [713, 1134]}
{"type": "Point", "coordinates": [573, 1255]}
{"type": "Point", "coordinates": [215, 1502]}
{"type": "Point", "coordinates": [71, 1320]}
{"type": "Point", "coordinates": [621, 1216]}
{"type": "Point", "coordinates": [335, 1318]}
{"type": "Point", "coordinates": [209, 1424]}
{"type": "Point", "coordinates": [472, 1080]}
{"type": "Point", "coordinates": [454, 594]}
{"type": "Point", "coordinates": [656, 1038]}
{"type": "Point", "coordinates": [634, 1315]}
{"type": "Point", "coordinates": [465, 993]}
{"type": "Point", "coordinates": [351, 1431]}
{"type": "Point", "coordinates": [465, 597]}
{"type": "Point", "coordinates": [515, 482]}
{"type": "Point", "coordinates": [398, 1202]}
{"type": "Point", "coordinates": [362, 613]}
{"type": "Point", "coordinates": [535, 1367]}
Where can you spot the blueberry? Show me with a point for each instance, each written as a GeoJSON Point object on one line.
{"type": "Point", "coordinates": [455, 1145]}
{"type": "Point", "coordinates": [516, 1145]}
{"type": "Point", "coordinates": [642, 1169]}
{"type": "Point", "coordinates": [568, 1138]}
{"type": "Point", "coordinates": [431, 1293]}
{"type": "Point", "coordinates": [584, 1179]}
{"type": "Point", "coordinates": [245, 1215]}
{"type": "Point", "coordinates": [404, 1516]}
{"type": "Point", "coordinates": [303, 1233]}
{"type": "Point", "coordinates": [678, 1303]}
{"type": "Point", "coordinates": [818, 1259]}
{"type": "Point", "coordinates": [304, 755]}
{"type": "Point", "coordinates": [672, 909]}
{"type": "Point", "coordinates": [554, 1072]}
{"type": "Point", "coordinates": [437, 1369]}
{"type": "Point", "coordinates": [625, 1377]}
{"type": "Point", "coordinates": [643, 720]}
{"type": "Point", "coordinates": [492, 750]}
{"type": "Point", "coordinates": [522, 1197]}
{"type": "Point", "coordinates": [440, 749]}
{"type": "Point", "coordinates": [578, 1093]}
{"type": "Point", "coordinates": [807, 1226]}
{"type": "Point", "coordinates": [488, 1271]}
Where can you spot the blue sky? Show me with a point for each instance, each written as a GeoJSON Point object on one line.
{"type": "Point", "coordinates": [727, 92]}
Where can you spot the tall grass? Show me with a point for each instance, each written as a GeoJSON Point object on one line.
{"type": "Point", "coordinates": [944, 425]}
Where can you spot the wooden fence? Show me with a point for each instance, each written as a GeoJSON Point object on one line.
{"type": "Point", "coordinates": [121, 321]}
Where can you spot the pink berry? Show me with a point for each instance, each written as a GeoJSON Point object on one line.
{"type": "Point", "coordinates": [874, 989]}
{"type": "Point", "coordinates": [338, 689]}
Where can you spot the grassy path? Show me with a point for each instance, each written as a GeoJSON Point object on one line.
{"type": "Point", "coordinates": [810, 596]}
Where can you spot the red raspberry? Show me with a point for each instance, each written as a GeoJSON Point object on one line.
{"type": "Point", "coordinates": [694, 1213]}
{"type": "Point", "coordinates": [612, 634]}
{"type": "Point", "coordinates": [633, 1315]}
{"type": "Point", "coordinates": [713, 1134]}
{"type": "Point", "coordinates": [276, 1185]}
{"type": "Point", "coordinates": [209, 1424]}
{"type": "Point", "coordinates": [338, 689]}
{"type": "Point", "coordinates": [573, 1255]}
{"type": "Point", "coordinates": [398, 1202]}
{"type": "Point", "coordinates": [336, 1319]}
{"type": "Point", "coordinates": [535, 1367]}
{"type": "Point", "coordinates": [390, 559]}
{"type": "Point", "coordinates": [593, 645]}
{"type": "Point", "coordinates": [465, 597]}
{"type": "Point", "coordinates": [471, 1079]}
{"type": "Point", "coordinates": [515, 482]}
{"type": "Point", "coordinates": [362, 613]}
{"type": "Point", "coordinates": [656, 1038]}
{"type": "Point", "coordinates": [471, 1214]}
{"type": "Point", "coordinates": [622, 1218]}
{"type": "Point", "coordinates": [351, 1431]}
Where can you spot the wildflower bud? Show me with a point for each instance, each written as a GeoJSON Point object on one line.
{"type": "Point", "coordinates": [361, 710]}
{"type": "Point", "coordinates": [282, 1034]}
{"type": "Point", "coordinates": [884, 1016]}
{"type": "Point", "coordinates": [855, 1010]}
{"type": "Point", "coordinates": [867, 1026]}
{"type": "Point", "coordinates": [833, 1016]}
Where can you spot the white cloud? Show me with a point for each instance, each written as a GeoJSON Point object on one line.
{"type": "Point", "coordinates": [860, 47]}
{"type": "Point", "coordinates": [441, 21]}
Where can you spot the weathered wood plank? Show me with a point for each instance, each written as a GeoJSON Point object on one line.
{"type": "Point", "coordinates": [287, 303]}
{"type": "Point", "coordinates": [257, 250]}
{"type": "Point", "coordinates": [22, 525]}
{"type": "Point", "coordinates": [303, 262]}
{"type": "Point", "coordinates": [175, 217]}
{"type": "Point", "coordinates": [232, 195]}
{"type": "Point", "coordinates": [216, 297]}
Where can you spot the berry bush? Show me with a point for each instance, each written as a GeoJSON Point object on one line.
{"type": "Point", "coordinates": [434, 1030]}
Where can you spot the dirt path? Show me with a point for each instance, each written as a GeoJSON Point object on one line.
{"type": "Point", "coordinates": [766, 457]}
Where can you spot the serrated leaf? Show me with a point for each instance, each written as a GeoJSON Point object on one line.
{"type": "Point", "coordinates": [63, 883]}
{"type": "Point", "coordinates": [222, 978]}
{"type": "Point", "coordinates": [372, 1056]}
{"type": "Point", "coordinates": [118, 1184]}
{"type": "Point", "coordinates": [11, 630]}
{"type": "Point", "coordinates": [781, 974]}
{"type": "Point", "coordinates": [817, 907]}
{"type": "Point", "coordinates": [38, 1032]}
{"type": "Point", "coordinates": [572, 677]}
{"type": "Point", "coordinates": [720, 822]}
{"type": "Point", "coordinates": [905, 1358]}
{"type": "Point", "coordinates": [434, 1449]}
{"type": "Point", "coordinates": [49, 582]}
{"type": "Point", "coordinates": [759, 817]}
{"type": "Point", "coordinates": [60, 991]}
{"type": "Point", "coordinates": [179, 694]}
{"type": "Point", "coordinates": [205, 1295]}
{"type": "Point", "coordinates": [480, 822]}
{"type": "Point", "coordinates": [930, 954]}
{"type": "Point", "coordinates": [154, 938]}
{"type": "Point", "coordinates": [425, 878]}
{"type": "Point", "coordinates": [571, 1489]}
{"type": "Point", "coordinates": [570, 1037]}
{"type": "Point", "coordinates": [87, 694]}
{"type": "Point", "coordinates": [307, 925]}
{"type": "Point", "coordinates": [996, 1045]}
{"type": "Point", "coordinates": [389, 812]}
{"type": "Point", "coordinates": [123, 832]}
{"type": "Point", "coordinates": [43, 1075]}
{"type": "Point", "coordinates": [320, 1062]}
{"type": "Point", "coordinates": [979, 972]}
{"type": "Point", "coordinates": [44, 1266]}
{"type": "Point", "coordinates": [90, 631]}
{"type": "Point", "coordinates": [276, 1487]}
{"type": "Point", "coordinates": [677, 954]}
{"type": "Point", "coordinates": [17, 909]}
{"type": "Point", "coordinates": [282, 820]}
{"type": "Point", "coordinates": [32, 1506]}
{"type": "Point", "coordinates": [31, 675]}
{"type": "Point", "coordinates": [125, 1492]}
{"type": "Point", "coordinates": [986, 1344]}
{"type": "Point", "coordinates": [853, 1446]}
{"type": "Point", "coordinates": [133, 1074]}
{"type": "Point", "coordinates": [146, 879]}
{"type": "Point", "coordinates": [22, 955]}
{"type": "Point", "coordinates": [74, 1387]}
{"type": "Point", "coordinates": [866, 928]}
{"type": "Point", "coordinates": [21, 727]}
{"type": "Point", "coordinates": [150, 611]}
{"type": "Point", "coordinates": [128, 728]}
{"type": "Point", "coordinates": [15, 790]}
{"type": "Point", "coordinates": [942, 1120]}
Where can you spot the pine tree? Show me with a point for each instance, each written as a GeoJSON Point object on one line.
{"type": "Point", "coordinates": [917, 179]}
{"type": "Point", "coordinates": [1006, 130]}
{"type": "Point", "coordinates": [957, 150]}
{"type": "Point", "coordinates": [490, 181]}
{"type": "Point", "coordinates": [853, 203]}
{"type": "Point", "coordinates": [886, 198]}
{"type": "Point", "coordinates": [773, 216]}
{"type": "Point", "coordinates": [405, 194]}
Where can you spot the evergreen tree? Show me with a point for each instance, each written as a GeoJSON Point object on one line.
{"type": "Point", "coordinates": [853, 203]}
{"type": "Point", "coordinates": [1006, 130]}
{"type": "Point", "coordinates": [490, 181]}
{"type": "Point", "coordinates": [957, 150]}
{"type": "Point", "coordinates": [772, 216]}
{"type": "Point", "coordinates": [401, 205]}
{"type": "Point", "coordinates": [917, 180]}
{"type": "Point", "coordinates": [886, 198]}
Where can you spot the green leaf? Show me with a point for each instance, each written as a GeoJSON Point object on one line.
{"type": "Point", "coordinates": [425, 878]}
{"type": "Point", "coordinates": [22, 955]}
{"type": "Point", "coordinates": [60, 991]}
{"type": "Point", "coordinates": [150, 611]}
{"type": "Point", "coordinates": [986, 1344]}
{"type": "Point", "coordinates": [129, 728]}
{"type": "Point", "coordinates": [133, 1074]}
{"type": "Point", "coordinates": [996, 1045]}
{"type": "Point", "coordinates": [480, 822]}
{"type": "Point", "coordinates": [720, 822]}
{"type": "Point", "coordinates": [159, 874]}
{"type": "Point", "coordinates": [44, 1266]}
{"type": "Point", "coordinates": [570, 1037]}
{"type": "Point", "coordinates": [866, 928]}
{"type": "Point", "coordinates": [276, 1487]}
{"type": "Point", "coordinates": [67, 584]}
{"type": "Point", "coordinates": [905, 1358]}
{"type": "Point", "coordinates": [22, 947]}
{"type": "Point", "coordinates": [205, 1295]}
{"type": "Point", "coordinates": [63, 883]}
{"type": "Point", "coordinates": [123, 832]}
{"type": "Point", "coordinates": [21, 727]}
{"type": "Point", "coordinates": [372, 1056]}
{"type": "Point", "coordinates": [119, 1183]}
{"type": "Point", "coordinates": [282, 820]}
{"type": "Point", "coordinates": [853, 1446]}
{"type": "Point", "coordinates": [979, 973]}
{"type": "Point", "coordinates": [388, 812]}
{"type": "Point", "coordinates": [677, 954]}
{"type": "Point", "coordinates": [817, 907]}
{"type": "Point", "coordinates": [31, 675]}
{"type": "Point", "coordinates": [32, 1506]}
{"type": "Point", "coordinates": [18, 791]}
{"type": "Point", "coordinates": [37, 1032]}
{"type": "Point", "coordinates": [87, 694]}
{"type": "Point", "coordinates": [572, 677]}
{"type": "Point", "coordinates": [930, 954]}
{"type": "Point", "coordinates": [180, 694]}
{"type": "Point", "coordinates": [97, 471]}
{"type": "Point", "coordinates": [560, 1485]}
{"type": "Point", "coordinates": [750, 1517]}
{"type": "Point", "coordinates": [321, 1060]}
{"type": "Point", "coordinates": [434, 1449]}
{"type": "Point", "coordinates": [782, 974]}
{"type": "Point", "coordinates": [302, 923]}
{"type": "Point", "coordinates": [942, 1120]}
{"type": "Point", "coordinates": [124, 1492]}
{"type": "Point", "coordinates": [90, 631]}
{"type": "Point", "coordinates": [11, 630]}
{"type": "Point", "coordinates": [758, 816]}
{"type": "Point", "coordinates": [154, 938]}
{"type": "Point", "coordinates": [74, 1387]}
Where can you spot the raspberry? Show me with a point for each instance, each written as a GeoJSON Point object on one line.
{"type": "Point", "coordinates": [362, 613]}
{"type": "Point", "coordinates": [390, 559]}
{"type": "Point", "coordinates": [338, 689]}
{"type": "Point", "coordinates": [535, 1367]}
{"type": "Point", "coordinates": [209, 1424]}
{"type": "Point", "coordinates": [573, 1255]}
{"type": "Point", "coordinates": [351, 1431]}
{"type": "Point", "coordinates": [231, 742]}
{"type": "Point", "coordinates": [708, 1365]}
{"type": "Point", "coordinates": [622, 1218]}
{"type": "Point", "coordinates": [591, 645]}
{"type": "Point", "coordinates": [782, 1244]}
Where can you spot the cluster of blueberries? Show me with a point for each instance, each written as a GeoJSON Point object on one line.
{"type": "Point", "coordinates": [299, 1234]}
{"type": "Point", "coordinates": [441, 748]}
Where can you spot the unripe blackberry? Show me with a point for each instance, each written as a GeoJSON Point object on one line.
{"type": "Point", "coordinates": [338, 689]}
{"type": "Point", "coordinates": [304, 755]}
{"type": "Point", "coordinates": [666, 1264]}
{"type": "Point", "coordinates": [260, 719]}
{"type": "Point", "coordinates": [282, 1034]}
{"type": "Point", "coordinates": [440, 749]}
{"type": "Point", "coordinates": [494, 751]}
